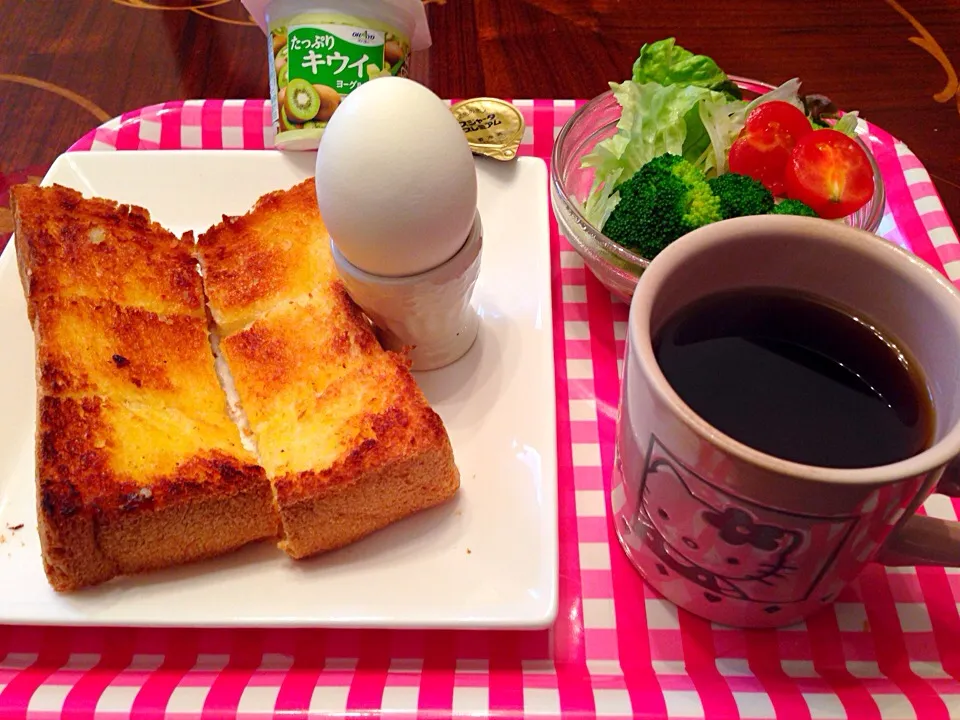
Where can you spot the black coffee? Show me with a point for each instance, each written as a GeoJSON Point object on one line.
{"type": "Point", "coordinates": [795, 377]}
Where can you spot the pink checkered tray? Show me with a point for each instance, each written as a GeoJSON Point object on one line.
{"type": "Point", "coordinates": [889, 647]}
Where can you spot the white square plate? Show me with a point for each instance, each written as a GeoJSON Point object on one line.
{"type": "Point", "coordinates": [486, 559]}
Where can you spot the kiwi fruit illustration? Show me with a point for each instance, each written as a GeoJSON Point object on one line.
{"type": "Point", "coordinates": [392, 52]}
{"type": "Point", "coordinates": [302, 102]}
{"type": "Point", "coordinates": [329, 101]}
{"type": "Point", "coordinates": [285, 122]}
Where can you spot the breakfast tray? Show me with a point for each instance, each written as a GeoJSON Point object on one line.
{"type": "Point", "coordinates": [889, 647]}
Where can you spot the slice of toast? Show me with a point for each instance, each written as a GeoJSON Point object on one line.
{"type": "Point", "coordinates": [253, 262]}
{"type": "Point", "coordinates": [341, 427]}
{"type": "Point", "coordinates": [139, 465]}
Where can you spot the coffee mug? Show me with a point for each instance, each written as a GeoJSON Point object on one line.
{"type": "Point", "coordinates": [738, 536]}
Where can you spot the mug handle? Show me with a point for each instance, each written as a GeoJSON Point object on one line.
{"type": "Point", "coordinates": [924, 540]}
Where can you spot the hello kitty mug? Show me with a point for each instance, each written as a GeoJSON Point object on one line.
{"type": "Point", "coordinates": [743, 538]}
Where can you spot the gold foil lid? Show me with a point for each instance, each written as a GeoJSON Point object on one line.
{"type": "Point", "coordinates": [493, 127]}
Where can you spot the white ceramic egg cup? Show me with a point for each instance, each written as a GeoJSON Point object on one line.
{"type": "Point", "coordinates": [428, 314]}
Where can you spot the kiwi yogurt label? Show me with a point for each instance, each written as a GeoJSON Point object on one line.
{"type": "Point", "coordinates": [318, 58]}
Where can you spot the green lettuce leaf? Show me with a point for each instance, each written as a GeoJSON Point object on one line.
{"type": "Point", "coordinates": [847, 124]}
{"type": "Point", "coordinates": [667, 63]}
{"type": "Point", "coordinates": [655, 119]}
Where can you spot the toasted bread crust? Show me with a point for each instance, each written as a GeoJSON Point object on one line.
{"type": "Point", "coordinates": [133, 434]}
{"type": "Point", "coordinates": [96, 523]}
{"type": "Point", "coordinates": [399, 462]}
{"type": "Point", "coordinates": [401, 427]}
{"type": "Point", "coordinates": [342, 428]}
{"type": "Point", "coordinates": [268, 255]}
{"type": "Point", "coordinates": [353, 506]}
{"type": "Point", "coordinates": [78, 443]}
{"type": "Point", "coordinates": [71, 246]}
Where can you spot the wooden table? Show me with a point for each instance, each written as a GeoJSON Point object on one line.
{"type": "Point", "coordinates": [68, 66]}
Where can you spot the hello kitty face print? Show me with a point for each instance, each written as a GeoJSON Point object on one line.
{"type": "Point", "coordinates": [728, 546]}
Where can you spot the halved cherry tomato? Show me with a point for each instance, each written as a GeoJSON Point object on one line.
{"type": "Point", "coordinates": [831, 173]}
{"type": "Point", "coordinates": [764, 145]}
{"type": "Point", "coordinates": [779, 114]}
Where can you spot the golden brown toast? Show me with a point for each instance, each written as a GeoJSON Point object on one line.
{"type": "Point", "coordinates": [139, 465]}
{"type": "Point", "coordinates": [69, 246]}
{"type": "Point", "coordinates": [342, 429]}
{"type": "Point", "coordinates": [254, 261]}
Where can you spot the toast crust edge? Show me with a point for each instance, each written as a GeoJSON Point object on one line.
{"type": "Point", "coordinates": [350, 509]}
{"type": "Point", "coordinates": [68, 244]}
{"type": "Point", "coordinates": [408, 466]}
{"type": "Point", "coordinates": [95, 526]}
{"type": "Point", "coordinates": [84, 549]}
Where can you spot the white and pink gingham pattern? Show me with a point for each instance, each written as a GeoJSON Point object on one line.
{"type": "Point", "coordinates": [888, 649]}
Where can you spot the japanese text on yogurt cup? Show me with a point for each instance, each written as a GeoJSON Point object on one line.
{"type": "Point", "coordinates": [316, 59]}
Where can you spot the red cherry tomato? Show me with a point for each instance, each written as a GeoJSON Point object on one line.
{"type": "Point", "coordinates": [779, 114]}
{"type": "Point", "coordinates": [764, 145]}
{"type": "Point", "coordinates": [831, 173]}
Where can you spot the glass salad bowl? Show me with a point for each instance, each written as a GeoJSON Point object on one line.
{"type": "Point", "coordinates": [615, 266]}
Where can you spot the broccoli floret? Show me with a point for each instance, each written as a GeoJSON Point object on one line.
{"type": "Point", "coordinates": [741, 195]}
{"type": "Point", "coordinates": [666, 198]}
{"type": "Point", "coordinates": [793, 207]}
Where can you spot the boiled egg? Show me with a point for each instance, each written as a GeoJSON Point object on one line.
{"type": "Point", "coordinates": [396, 182]}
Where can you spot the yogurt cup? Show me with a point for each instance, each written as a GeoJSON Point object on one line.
{"type": "Point", "coordinates": [321, 50]}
